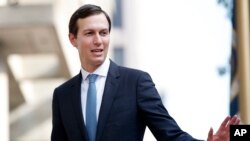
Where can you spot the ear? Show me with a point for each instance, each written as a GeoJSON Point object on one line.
{"type": "Point", "coordinates": [72, 39]}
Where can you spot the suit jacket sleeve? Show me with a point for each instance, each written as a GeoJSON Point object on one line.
{"type": "Point", "coordinates": [161, 124]}
{"type": "Point", "coordinates": [58, 130]}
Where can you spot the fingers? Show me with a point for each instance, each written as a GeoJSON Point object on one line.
{"type": "Point", "coordinates": [237, 122]}
{"type": "Point", "coordinates": [223, 132]}
{"type": "Point", "coordinates": [226, 121]}
{"type": "Point", "coordinates": [210, 134]}
{"type": "Point", "coordinates": [230, 121]}
{"type": "Point", "coordinates": [234, 120]}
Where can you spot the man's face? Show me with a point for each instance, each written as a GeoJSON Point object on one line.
{"type": "Point", "coordinates": [92, 41]}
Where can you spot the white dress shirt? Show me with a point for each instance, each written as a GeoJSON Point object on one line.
{"type": "Point", "coordinates": [102, 73]}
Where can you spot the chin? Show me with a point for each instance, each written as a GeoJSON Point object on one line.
{"type": "Point", "coordinates": [99, 61]}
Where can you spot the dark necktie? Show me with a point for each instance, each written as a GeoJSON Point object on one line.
{"type": "Point", "coordinates": [91, 120]}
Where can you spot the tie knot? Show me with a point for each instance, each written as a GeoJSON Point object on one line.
{"type": "Point", "coordinates": [92, 78]}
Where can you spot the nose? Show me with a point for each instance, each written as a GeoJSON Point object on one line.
{"type": "Point", "coordinates": [97, 39]}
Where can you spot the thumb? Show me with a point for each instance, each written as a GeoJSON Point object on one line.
{"type": "Point", "coordinates": [210, 135]}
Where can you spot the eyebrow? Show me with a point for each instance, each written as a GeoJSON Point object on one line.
{"type": "Point", "coordinates": [90, 29]}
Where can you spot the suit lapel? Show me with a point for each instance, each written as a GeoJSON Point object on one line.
{"type": "Point", "coordinates": [111, 86]}
{"type": "Point", "coordinates": [76, 101]}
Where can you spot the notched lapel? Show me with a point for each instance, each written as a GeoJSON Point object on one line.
{"type": "Point", "coordinates": [76, 101]}
{"type": "Point", "coordinates": [110, 90]}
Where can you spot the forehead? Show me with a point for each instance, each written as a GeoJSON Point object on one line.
{"type": "Point", "coordinates": [98, 21]}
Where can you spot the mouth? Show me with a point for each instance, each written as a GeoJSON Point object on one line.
{"type": "Point", "coordinates": [96, 50]}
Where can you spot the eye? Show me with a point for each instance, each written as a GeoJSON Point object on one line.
{"type": "Point", "coordinates": [104, 33]}
{"type": "Point", "coordinates": [88, 33]}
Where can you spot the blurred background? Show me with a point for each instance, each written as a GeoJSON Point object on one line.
{"type": "Point", "coordinates": [193, 50]}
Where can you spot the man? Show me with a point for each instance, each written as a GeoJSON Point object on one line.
{"type": "Point", "coordinates": [119, 102]}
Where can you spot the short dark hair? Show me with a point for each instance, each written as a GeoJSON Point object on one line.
{"type": "Point", "coordinates": [83, 12]}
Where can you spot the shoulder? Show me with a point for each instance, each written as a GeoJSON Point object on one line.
{"type": "Point", "coordinates": [70, 83]}
{"type": "Point", "coordinates": [123, 69]}
{"type": "Point", "coordinates": [129, 72]}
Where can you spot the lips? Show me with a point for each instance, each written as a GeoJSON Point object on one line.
{"type": "Point", "coordinates": [96, 50]}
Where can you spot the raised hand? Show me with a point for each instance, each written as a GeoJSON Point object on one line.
{"type": "Point", "coordinates": [223, 132]}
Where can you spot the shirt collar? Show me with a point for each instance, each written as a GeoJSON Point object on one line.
{"type": "Point", "coordinates": [100, 71]}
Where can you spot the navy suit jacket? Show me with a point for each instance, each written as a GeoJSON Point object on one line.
{"type": "Point", "coordinates": [130, 103]}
